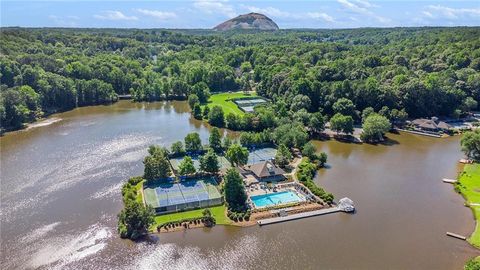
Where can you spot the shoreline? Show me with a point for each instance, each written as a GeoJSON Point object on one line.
{"type": "Point", "coordinates": [255, 217]}
{"type": "Point", "coordinates": [466, 188]}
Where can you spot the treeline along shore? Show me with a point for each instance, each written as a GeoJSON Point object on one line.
{"type": "Point", "coordinates": [398, 73]}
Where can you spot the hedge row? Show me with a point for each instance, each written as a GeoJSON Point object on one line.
{"type": "Point", "coordinates": [305, 173]}
{"type": "Point", "coordinates": [239, 216]}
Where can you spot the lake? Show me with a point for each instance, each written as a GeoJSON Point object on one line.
{"type": "Point", "coordinates": [60, 194]}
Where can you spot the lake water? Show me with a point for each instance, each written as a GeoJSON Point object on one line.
{"type": "Point", "coordinates": [60, 194]}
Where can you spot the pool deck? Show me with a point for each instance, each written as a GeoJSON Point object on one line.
{"type": "Point", "coordinates": [299, 216]}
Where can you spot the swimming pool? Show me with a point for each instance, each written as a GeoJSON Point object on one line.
{"type": "Point", "coordinates": [277, 198]}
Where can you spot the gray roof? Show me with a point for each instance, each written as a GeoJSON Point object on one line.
{"type": "Point", "coordinates": [431, 124]}
{"type": "Point", "coordinates": [264, 169]}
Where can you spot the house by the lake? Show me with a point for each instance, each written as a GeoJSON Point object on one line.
{"type": "Point", "coordinates": [265, 171]}
{"type": "Point", "coordinates": [431, 125]}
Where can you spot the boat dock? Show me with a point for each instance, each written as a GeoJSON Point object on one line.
{"type": "Point", "coordinates": [450, 181]}
{"type": "Point", "coordinates": [458, 236]}
{"type": "Point", "coordinates": [298, 216]}
{"type": "Point", "coordinates": [344, 205]}
{"type": "Point", "coordinates": [420, 133]}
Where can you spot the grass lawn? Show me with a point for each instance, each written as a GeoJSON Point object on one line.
{"type": "Point", "coordinates": [224, 100]}
{"type": "Point", "coordinates": [138, 188]}
{"type": "Point", "coordinates": [218, 212]}
{"type": "Point", "coordinates": [469, 186]}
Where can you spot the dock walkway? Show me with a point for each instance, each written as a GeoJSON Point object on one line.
{"type": "Point", "coordinates": [299, 216]}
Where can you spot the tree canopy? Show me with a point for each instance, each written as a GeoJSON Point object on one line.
{"type": "Point", "coordinates": [235, 195]}
{"type": "Point", "coordinates": [237, 155]}
{"type": "Point", "coordinates": [186, 167]}
{"type": "Point", "coordinates": [342, 123]}
{"type": "Point", "coordinates": [374, 127]}
{"type": "Point", "coordinates": [420, 72]}
{"type": "Point", "coordinates": [193, 142]}
{"type": "Point", "coordinates": [215, 140]}
{"type": "Point", "coordinates": [470, 143]}
{"type": "Point", "coordinates": [156, 164]}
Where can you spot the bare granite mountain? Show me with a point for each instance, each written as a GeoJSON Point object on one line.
{"type": "Point", "coordinates": [248, 21]}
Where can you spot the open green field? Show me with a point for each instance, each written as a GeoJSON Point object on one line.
{"type": "Point", "coordinates": [218, 212]}
{"type": "Point", "coordinates": [224, 100]}
{"type": "Point", "coordinates": [469, 186]}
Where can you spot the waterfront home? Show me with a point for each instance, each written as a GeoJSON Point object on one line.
{"type": "Point", "coordinates": [431, 125]}
{"type": "Point", "coordinates": [264, 171]}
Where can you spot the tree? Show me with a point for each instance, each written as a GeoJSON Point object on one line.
{"type": "Point", "coordinates": [156, 165]}
{"type": "Point", "coordinates": [300, 102]}
{"type": "Point", "coordinates": [470, 143]}
{"type": "Point", "coordinates": [342, 123]}
{"type": "Point", "coordinates": [291, 135]}
{"type": "Point", "coordinates": [316, 122]}
{"type": "Point", "coordinates": [237, 155]}
{"type": "Point", "coordinates": [344, 106]}
{"type": "Point", "coordinates": [208, 219]}
{"type": "Point", "coordinates": [134, 220]}
{"type": "Point", "coordinates": [206, 112]}
{"type": "Point", "coordinates": [186, 166]}
{"type": "Point", "coordinates": [374, 127]}
{"type": "Point", "coordinates": [201, 90]}
{"type": "Point", "coordinates": [197, 111]}
{"type": "Point", "coordinates": [233, 122]}
{"type": "Point", "coordinates": [283, 156]}
{"type": "Point", "coordinates": [215, 140]}
{"type": "Point", "coordinates": [216, 117]}
{"type": "Point", "coordinates": [177, 148]}
{"type": "Point", "coordinates": [302, 116]}
{"type": "Point", "coordinates": [226, 142]}
{"type": "Point", "coordinates": [469, 104]}
{"type": "Point", "coordinates": [192, 100]}
{"type": "Point", "coordinates": [193, 142]}
{"type": "Point", "coordinates": [322, 159]}
{"type": "Point", "coordinates": [367, 112]}
{"type": "Point", "coordinates": [209, 162]}
{"type": "Point", "coordinates": [157, 150]}
{"type": "Point", "coordinates": [309, 151]}
{"type": "Point", "coordinates": [472, 264]}
{"type": "Point", "coordinates": [398, 117]}
{"type": "Point", "coordinates": [235, 195]}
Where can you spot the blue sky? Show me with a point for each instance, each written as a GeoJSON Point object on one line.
{"type": "Point", "coordinates": [208, 13]}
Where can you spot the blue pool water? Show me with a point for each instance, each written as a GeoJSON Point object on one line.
{"type": "Point", "coordinates": [275, 199]}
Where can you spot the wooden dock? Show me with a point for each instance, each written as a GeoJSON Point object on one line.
{"type": "Point", "coordinates": [449, 181]}
{"type": "Point", "coordinates": [458, 236]}
{"type": "Point", "coordinates": [299, 216]}
{"type": "Point", "coordinates": [420, 133]}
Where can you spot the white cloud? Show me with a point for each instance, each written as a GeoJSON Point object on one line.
{"type": "Point", "coordinates": [114, 15]}
{"type": "Point", "coordinates": [275, 12]}
{"type": "Point", "coordinates": [321, 16]}
{"type": "Point", "coordinates": [64, 21]}
{"type": "Point", "coordinates": [363, 7]}
{"type": "Point", "coordinates": [437, 11]}
{"type": "Point", "coordinates": [365, 3]}
{"type": "Point", "coordinates": [161, 15]}
{"type": "Point", "coordinates": [427, 14]}
{"type": "Point", "coordinates": [271, 11]}
{"type": "Point", "coordinates": [212, 6]}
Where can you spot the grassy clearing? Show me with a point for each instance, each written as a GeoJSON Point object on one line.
{"type": "Point", "coordinates": [138, 188]}
{"type": "Point", "coordinates": [224, 100]}
{"type": "Point", "coordinates": [469, 187]}
{"type": "Point", "coordinates": [218, 212]}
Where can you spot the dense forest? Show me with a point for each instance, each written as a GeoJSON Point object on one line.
{"type": "Point", "coordinates": [418, 72]}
